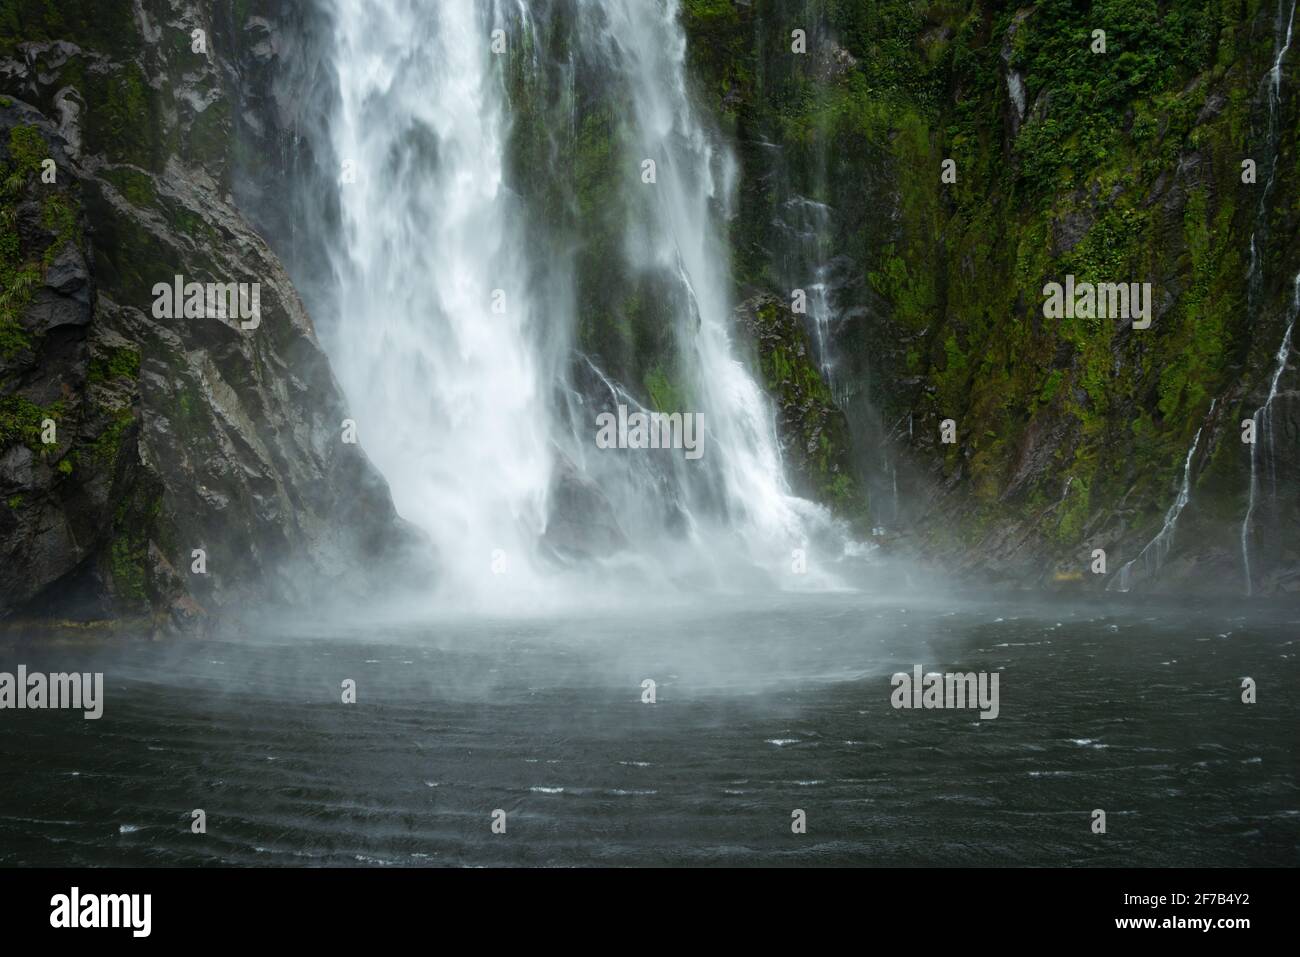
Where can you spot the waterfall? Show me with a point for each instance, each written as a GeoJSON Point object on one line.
{"type": "Point", "coordinates": [1263, 424]}
{"type": "Point", "coordinates": [456, 359]}
{"type": "Point", "coordinates": [1156, 551]}
{"type": "Point", "coordinates": [1283, 44]}
{"type": "Point", "coordinates": [806, 226]}
{"type": "Point", "coordinates": [434, 343]}
{"type": "Point", "coordinates": [1262, 419]}
{"type": "Point", "coordinates": [676, 233]}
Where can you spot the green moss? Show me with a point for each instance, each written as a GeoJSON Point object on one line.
{"type": "Point", "coordinates": [1109, 145]}
{"type": "Point", "coordinates": [128, 255]}
{"type": "Point", "coordinates": [704, 12]}
{"type": "Point", "coordinates": [27, 150]}
{"type": "Point", "coordinates": [718, 54]}
{"type": "Point", "coordinates": [104, 25]}
{"type": "Point", "coordinates": [18, 286]}
{"type": "Point", "coordinates": [813, 431]}
{"type": "Point", "coordinates": [1074, 512]}
{"type": "Point", "coordinates": [1051, 386]}
{"type": "Point", "coordinates": [136, 523]}
{"type": "Point", "coordinates": [1150, 52]}
{"type": "Point", "coordinates": [664, 396]}
{"type": "Point", "coordinates": [21, 419]}
{"type": "Point", "coordinates": [123, 363]}
{"type": "Point", "coordinates": [121, 118]}
{"type": "Point", "coordinates": [843, 493]}
{"type": "Point", "coordinates": [61, 216]}
{"type": "Point", "coordinates": [190, 223]}
{"type": "Point", "coordinates": [106, 448]}
{"type": "Point", "coordinates": [596, 162]}
{"type": "Point", "coordinates": [128, 553]}
{"type": "Point", "coordinates": [136, 187]}
{"type": "Point", "coordinates": [209, 134]}
{"type": "Point", "coordinates": [126, 103]}
{"type": "Point", "coordinates": [23, 271]}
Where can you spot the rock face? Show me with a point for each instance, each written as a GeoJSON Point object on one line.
{"type": "Point", "coordinates": [811, 428]}
{"type": "Point", "coordinates": [128, 440]}
{"type": "Point", "coordinates": [582, 524]}
{"type": "Point", "coordinates": [173, 123]}
{"type": "Point", "coordinates": [1071, 434]}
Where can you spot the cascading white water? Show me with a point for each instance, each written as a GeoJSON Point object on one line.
{"type": "Point", "coordinates": [1263, 424]}
{"type": "Point", "coordinates": [1283, 31]}
{"type": "Point", "coordinates": [646, 48]}
{"type": "Point", "coordinates": [434, 343]}
{"type": "Point", "coordinates": [735, 502]}
{"type": "Point", "coordinates": [1156, 551]}
{"type": "Point", "coordinates": [448, 356]}
{"type": "Point", "coordinates": [807, 225]}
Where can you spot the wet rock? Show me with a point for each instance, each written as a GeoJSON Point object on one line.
{"type": "Point", "coordinates": [811, 429]}
{"type": "Point", "coordinates": [172, 434]}
{"type": "Point", "coordinates": [581, 522]}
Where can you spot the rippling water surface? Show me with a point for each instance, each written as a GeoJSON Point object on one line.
{"type": "Point", "coordinates": [761, 709]}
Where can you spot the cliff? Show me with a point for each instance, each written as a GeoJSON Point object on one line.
{"type": "Point", "coordinates": [909, 179]}
{"type": "Point", "coordinates": [1120, 166]}
{"type": "Point", "coordinates": [128, 442]}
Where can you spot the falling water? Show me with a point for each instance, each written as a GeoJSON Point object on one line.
{"type": "Point", "coordinates": [1261, 418]}
{"type": "Point", "coordinates": [434, 343]}
{"type": "Point", "coordinates": [806, 224]}
{"type": "Point", "coordinates": [1283, 30]}
{"type": "Point", "coordinates": [645, 49]}
{"type": "Point", "coordinates": [1263, 425]}
{"type": "Point", "coordinates": [1156, 551]}
{"type": "Point", "coordinates": [447, 352]}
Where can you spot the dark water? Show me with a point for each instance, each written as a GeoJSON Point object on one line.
{"type": "Point", "coordinates": [761, 709]}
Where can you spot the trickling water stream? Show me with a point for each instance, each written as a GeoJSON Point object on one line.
{"type": "Point", "coordinates": [1156, 551]}
{"type": "Point", "coordinates": [1264, 439]}
{"type": "Point", "coordinates": [1262, 419]}
{"type": "Point", "coordinates": [1154, 554]}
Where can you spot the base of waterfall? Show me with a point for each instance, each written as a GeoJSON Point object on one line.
{"type": "Point", "coordinates": [763, 704]}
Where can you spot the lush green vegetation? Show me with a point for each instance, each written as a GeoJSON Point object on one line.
{"type": "Point", "coordinates": [1124, 167]}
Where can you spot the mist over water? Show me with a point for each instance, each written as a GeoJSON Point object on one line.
{"type": "Point", "coordinates": [454, 300]}
{"type": "Point", "coordinates": [763, 706]}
